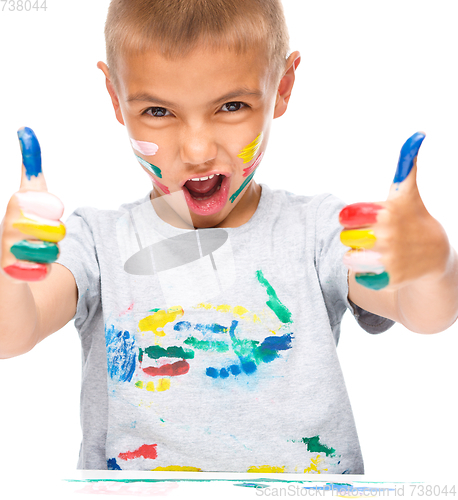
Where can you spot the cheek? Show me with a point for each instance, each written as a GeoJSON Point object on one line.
{"type": "Point", "coordinates": [144, 147]}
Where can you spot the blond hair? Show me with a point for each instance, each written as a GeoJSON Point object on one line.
{"type": "Point", "coordinates": [176, 27]}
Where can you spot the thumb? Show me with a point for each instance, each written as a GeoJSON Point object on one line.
{"type": "Point", "coordinates": [405, 178]}
{"type": "Point", "coordinates": [32, 177]}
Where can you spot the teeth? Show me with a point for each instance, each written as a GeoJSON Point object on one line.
{"type": "Point", "coordinates": [204, 178]}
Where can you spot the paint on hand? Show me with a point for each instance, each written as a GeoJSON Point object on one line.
{"type": "Point", "coordinates": [31, 151]}
{"type": "Point", "coordinates": [408, 155]}
{"type": "Point", "coordinates": [364, 261]}
{"type": "Point", "coordinates": [40, 252]}
{"type": "Point", "coordinates": [373, 281]}
{"type": "Point", "coordinates": [358, 238]}
{"type": "Point", "coordinates": [26, 271]}
{"type": "Point", "coordinates": [41, 204]}
{"type": "Point", "coordinates": [359, 215]}
{"type": "Point", "coordinates": [253, 167]}
{"type": "Point", "coordinates": [145, 148]}
{"type": "Point", "coordinates": [152, 168]}
{"type": "Point", "coordinates": [249, 152]}
{"type": "Point", "coordinates": [42, 229]}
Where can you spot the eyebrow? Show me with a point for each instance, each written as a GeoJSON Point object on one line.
{"type": "Point", "coordinates": [241, 92]}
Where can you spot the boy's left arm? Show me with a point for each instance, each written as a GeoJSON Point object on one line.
{"type": "Point", "coordinates": [401, 265]}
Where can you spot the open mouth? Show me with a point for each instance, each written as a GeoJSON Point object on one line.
{"type": "Point", "coordinates": [208, 196]}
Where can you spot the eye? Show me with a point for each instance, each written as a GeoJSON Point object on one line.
{"type": "Point", "coordinates": [233, 106]}
{"type": "Point", "coordinates": [157, 112]}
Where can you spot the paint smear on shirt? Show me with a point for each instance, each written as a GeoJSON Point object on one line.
{"type": "Point", "coordinates": [157, 321]}
{"type": "Point", "coordinates": [281, 311]}
{"type": "Point", "coordinates": [266, 469]}
{"type": "Point", "coordinates": [145, 148]}
{"type": "Point", "coordinates": [177, 468]}
{"type": "Point", "coordinates": [145, 451]}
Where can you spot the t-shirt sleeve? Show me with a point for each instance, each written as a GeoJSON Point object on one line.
{"type": "Point", "coordinates": [78, 255]}
{"type": "Point", "coordinates": [333, 274]}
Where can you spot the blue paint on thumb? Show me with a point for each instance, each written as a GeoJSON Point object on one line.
{"type": "Point", "coordinates": [31, 152]}
{"type": "Point", "coordinates": [408, 154]}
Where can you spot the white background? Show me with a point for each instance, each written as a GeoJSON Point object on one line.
{"type": "Point", "coordinates": [372, 74]}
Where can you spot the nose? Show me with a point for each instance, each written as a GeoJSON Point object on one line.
{"type": "Point", "coordinates": [198, 145]}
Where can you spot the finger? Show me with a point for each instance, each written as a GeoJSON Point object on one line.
{"type": "Point", "coordinates": [408, 157]}
{"type": "Point", "coordinates": [358, 238]}
{"type": "Point", "coordinates": [364, 261]}
{"type": "Point", "coordinates": [359, 215]}
{"type": "Point", "coordinates": [32, 175]}
{"type": "Point", "coordinates": [372, 280]}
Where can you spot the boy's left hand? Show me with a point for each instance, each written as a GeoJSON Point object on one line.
{"type": "Point", "coordinates": [397, 241]}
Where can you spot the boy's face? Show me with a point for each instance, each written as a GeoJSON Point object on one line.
{"type": "Point", "coordinates": [203, 115]}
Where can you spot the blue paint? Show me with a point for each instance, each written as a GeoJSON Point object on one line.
{"type": "Point", "coordinates": [249, 367]}
{"type": "Point", "coordinates": [182, 326]}
{"type": "Point", "coordinates": [277, 343]}
{"type": "Point", "coordinates": [235, 370]}
{"type": "Point", "coordinates": [112, 464]}
{"type": "Point", "coordinates": [223, 373]}
{"type": "Point", "coordinates": [342, 488]}
{"type": "Point", "coordinates": [121, 354]}
{"type": "Point", "coordinates": [212, 372]}
{"type": "Point", "coordinates": [31, 152]}
{"type": "Point", "coordinates": [408, 154]}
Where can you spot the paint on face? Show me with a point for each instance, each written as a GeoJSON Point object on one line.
{"type": "Point", "coordinates": [31, 152]}
{"type": "Point", "coordinates": [407, 157]}
{"type": "Point", "coordinates": [26, 271]}
{"type": "Point", "coordinates": [373, 281]}
{"type": "Point", "coordinates": [41, 204]}
{"type": "Point", "coordinates": [145, 148]}
{"type": "Point", "coordinates": [42, 229]}
{"type": "Point", "coordinates": [249, 152]}
{"type": "Point", "coordinates": [164, 188]}
{"type": "Point", "coordinates": [242, 187]}
{"type": "Point", "coordinates": [358, 238]}
{"type": "Point", "coordinates": [152, 168]}
{"type": "Point", "coordinates": [253, 167]}
{"type": "Point", "coordinates": [41, 252]}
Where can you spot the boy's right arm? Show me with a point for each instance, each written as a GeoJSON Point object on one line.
{"type": "Point", "coordinates": [37, 296]}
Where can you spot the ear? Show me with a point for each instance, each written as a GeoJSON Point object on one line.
{"type": "Point", "coordinates": [286, 84]}
{"type": "Point", "coordinates": [111, 90]}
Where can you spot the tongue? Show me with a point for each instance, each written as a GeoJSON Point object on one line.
{"type": "Point", "coordinates": [202, 187]}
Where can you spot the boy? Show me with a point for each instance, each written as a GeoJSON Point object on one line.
{"type": "Point", "coordinates": [220, 344]}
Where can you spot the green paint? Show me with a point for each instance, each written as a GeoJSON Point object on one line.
{"type": "Point", "coordinates": [314, 446]}
{"type": "Point", "coordinates": [156, 170]}
{"type": "Point", "coordinates": [252, 485]}
{"type": "Point", "coordinates": [139, 384]}
{"type": "Point", "coordinates": [373, 281]}
{"type": "Point", "coordinates": [281, 311]}
{"type": "Point", "coordinates": [156, 352]}
{"type": "Point", "coordinates": [155, 310]}
{"type": "Point", "coordinates": [42, 252]}
{"type": "Point", "coordinates": [207, 345]}
{"type": "Point", "coordinates": [242, 187]}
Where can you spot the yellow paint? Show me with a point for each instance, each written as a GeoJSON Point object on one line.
{"type": "Point", "coordinates": [204, 306]}
{"type": "Point", "coordinates": [43, 232]}
{"type": "Point", "coordinates": [223, 308]}
{"type": "Point", "coordinates": [313, 469]}
{"type": "Point", "coordinates": [256, 319]}
{"type": "Point", "coordinates": [266, 469]}
{"type": "Point", "coordinates": [163, 384]}
{"type": "Point", "coordinates": [177, 468]}
{"type": "Point", "coordinates": [139, 384]}
{"type": "Point", "coordinates": [249, 152]}
{"type": "Point", "coordinates": [239, 310]}
{"type": "Point", "coordinates": [156, 322]}
{"type": "Point", "coordinates": [358, 238]}
{"type": "Point", "coordinates": [150, 386]}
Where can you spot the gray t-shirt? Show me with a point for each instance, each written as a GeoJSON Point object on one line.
{"type": "Point", "coordinates": [214, 350]}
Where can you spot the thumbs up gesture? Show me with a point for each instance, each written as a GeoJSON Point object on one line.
{"type": "Point", "coordinates": [31, 227]}
{"type": "Point", "coordinates": [395, 242]}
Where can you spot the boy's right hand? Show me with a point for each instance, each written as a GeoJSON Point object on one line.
{"type": "Point", "coordinates": [31, 228]}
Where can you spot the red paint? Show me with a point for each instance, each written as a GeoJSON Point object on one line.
{"type": "Point", "coordinates": [253, 167]}
{"type": "Point", "coordinates": [145, 451]}
{"type": "Point", "coordinates": [170, 370]}
{"type": "Point", "coordinates": [27, 271]}
{"type": "Point", "coordinates": [127, 310]}
{"type": "Point", "coordinates": [165, 189]}
{"type": "Point", "coordinates": [359, 215]}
